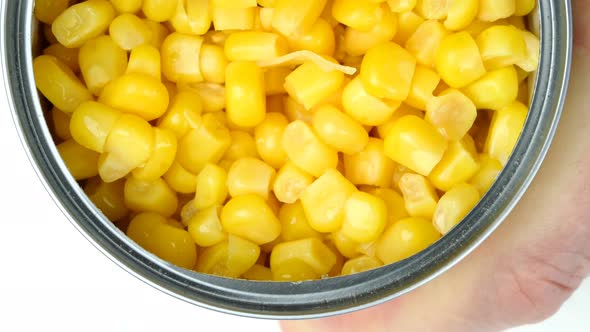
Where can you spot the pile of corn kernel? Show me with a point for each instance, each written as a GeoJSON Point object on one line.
{"type": "Point", "coordinates": [285, 140]}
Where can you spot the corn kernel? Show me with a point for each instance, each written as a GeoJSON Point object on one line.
{"type": "Point", "coordinates": [432, 9]}
{"type": "Point", "coordinates": [211, 187]}
{"type": "Point", "coordinates": [47, 11]}
{"type": "Point", "coordinates": [290, 183]}
{"type": "Point", "coordinates": [192, 17]}
{"type": "Point", "coordinates": [338, 130]}
{"type": "Point", "coordinates": [80, 161]}
{"type": "Point", "coordinates": [505, 129]}
{"type": "Point", "coordinates": [159, 33]}
{"type": "Point", "coordinates": [501, 45]}
{"type": "Point", "coordinates": [268, 136]}
{"type": "Point", "coordinates": [171, 244]}
{"type": "Point", "coordinates": [91, 123]}
{"type": "Point", "coordinates": [159, 10]}
{"type": "Point", "coordinates": [406, 238]}
{"type": "Point", "coordinates": [370, 166]}
{"type": "Point", "coordinates": [250, 217]}
{"type": "Point", "coordinates": [61, 124]}
{"type": "Point", "coordinates": [461, 13]}
{"type": "Point", "coordinates": [212, 138]}
{"type": "Point", "coordinates": [107, 197]}
{"type": "Point", "coordinates": [408, 22]}
{"type": "Point", "coordinates": [345, 245]}
{"type": "Point", "coordinates": [293, 270]}
{"type": "Point", "coordinates": [145, 59]}
{"type": "Point", "coordinates": [365, 217]}
{"type": "Point", "coordinates": [495, 90]}
{"type": "Point", "coordinates": [453, 206]}
{"type": "Point", "coordinates": [323, 201]}
{"type": "Point", "coordinates": [162, 157]}
{"type": "Point", "coordinates": [319, 39]}
{"type": "Point", "coordinates": [54, 78]}
{"type": "Point", "coordinates": [401, 6]}
{"type": "Point", "coordinates": [362, 16]}
{"type": "Point", "coordinates": [458, 164]}
{"type": "Point", "coordinates": [82, 22]}
{"type": "Point", "coordinates": [205, 227]}
{"type": "Point", "coordinates": [186, 103]}
{"type": "Point", "coordinates": [136, 93]}
{"type": "Point", "coordinates": [274, 81]}
{"type": "Point", "coordinates": [488, 171]}
{"type": "Point", "coordinates": [68, 56]}
{"type": "Point", "coordinates": [530, 62]}
{"type": "Point", "coordinates": [309, 84]}
{"type": "Point", "coordinates": [258, 273]}
{"type": "Point", "coordinates": [424, 42]}
{"type": "Point", "coordinates": [101, 61]}
{"type": "Point", "coordinates": [250, 176]}
{"type": "Point", "coordinates": [255, 46]}
{"type": "Point", "coordinates": [212, 96]}
{"type": "Point", "coordinates": [242, 145]}
{"type": "Point", "coordinates": [416, 144]}
{"type": "Point", "coordinates": [241, 254]}
{"type": "Point", "coordinates": [180, 54]}
{"type": "Point", "coordinates": [176, 224]}
{"type": "Point", "coordinates": [423, 85]}
{"type": "Point", "coordinates": [524, 7]}
{"type": "Point", "coordinates": [233, 18]}
{"type": "Point", "coordinates": [396, 208]}
{"type": "Point", "coordinates": [213, 63]}
{"type": "Point", "coordinates": [245, 95]}
{"type": "Point", "coordinates": [179, 179]}
{"type": "Point", "coordinates": [187, 208]}
{"type": "Point", "coordinates": [402, 111]}
{"type": "Point", "coordinates": [294, 17]}
{"type": "Point", "coordinates": [387, 71]}
{"type": "Point", "coordinates": [294, 223]}
{"type": "Point", "coordinates": [368, 110]}
{"type": "Point", "coordinates": [306, 150]}
{"type": "Point", "coordinates": [493, 10]}
{"type": "Point", "coordinates": [419, 195]}
{"type": "Point", "coordinates": [213, 260]}
{"type": "Point", "coordinates": [150, 196]}
{"type": "Point", "coordinates": [452, 113]}
{"type": "Point", "coordinates": [458, 60]}
{"type": "Point", "coordinates": [129, 31]}
{"type": "Point", "coordinates": [360, 264]}
{"type": "Point", "coordinates": [359, 42]}
{"type": "Point", "coordinates": [127, 6]}
{"type": "Point", "coordinates": [311, 252]}
{"type": "Point", "coordinates": [295, 111]}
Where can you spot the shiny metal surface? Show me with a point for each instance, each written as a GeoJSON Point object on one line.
{"type": "Point", "coordinates": [288, 300]}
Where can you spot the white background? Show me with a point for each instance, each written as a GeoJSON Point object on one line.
{"type": "Point", "coordinates": [52, 279]}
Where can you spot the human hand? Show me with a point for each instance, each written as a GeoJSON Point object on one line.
{"type": "Point", "coordinates": [532, 263]}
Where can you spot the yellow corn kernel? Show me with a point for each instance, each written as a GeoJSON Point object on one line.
{"type": "Point", "coordinates": [365, 217]}
{"type": "Point", "coordinates": [145, 59]}
{"type": "Point", "coordinates": [359, 15]}
{"type": "Point", "coordinates": [192, 17]}
{"type": "Point", "coordinates": [294, 223]}
{"type": "Point", "coordinates": [162, 157]}
{"type": "Point", "coordinates": [127, 6]}
{"type": "Point", "coordinates": [402, 111]}
{"type": "Point", "coordinates": [265, 15]}
{"type": "Point", "coordinates": [505, 129]}
{"type": "Point", "coordinates": [406, 238]}
{"type": "Point", "coordinates": [213, 260]}
{"type": "Point", "coordinates": [453, 206]}
{"type": "Point", "coordinates": [488, 171]}
{"type": "Point", "coordinates": [129, 144]}
{"type": "Point", "coordinates": [258, 273]}
{"type": "Point", "coordinates": [150, 196]}
{"type": "Point", "coordinates": [107, 197]}
{"type": "Point", "coordinates": [338, 130]}
{"type": "Point", "coordinates": [274, 205]}
{"type": "Point", "coordinates": [245, 95]}
{"type": "Point", "coordinates": [136, 93]}
{"type": "Point", "coordinates": [250, 176]}
{"type": "Point", "coordinates": [61, 123]}
{"type": "Point", "coordinates": [323, 201]}
{"type": "Point", "coordinates": [249, 216]}
{"type": "Point", "coordinates": [432, 9]}
{"type": "Point", "coordinates": [401, 6]}
{"type": "Point", "coordinates": [129, 31]}
{"type": "Point", "coordinates": [370, 166]}
{"type": "Point", "coordinates": [187, 208]}
{"type": "Point", "coordinates": [159, 33]}
{"type": "Point", "coordinates": [211, 187]}
{"type": "Point", "coordinates": [415, 143]}
{"type": "Point", "coordinates": [458, 165]}
{"type": "Point", "coordinates": [176, 224]}
{"type": "Point", "coordinates": [159, 10]}
{"type": "Point", "coordinates": [179, 179]}
{"type": "Point", "coordinates": [419, 195]}
{"type": "Point", "coordinates": [82, 22]}
{"type": "Point", "coordinates": [241, 254]}
{"type": "Point", "coordinates": [346, 246]}
{"type": "Point", "coordinates": [47, 11]}
{"type": "Point", "coordinates": [295, 111]}
{"type": "Point", "coordinates": [294, 17]}
{"type": "Point", "coordinates": [311, 252]}
{"type": "Point", "coordinates": [493, 10]}
{"type": "Point", "coordinates": [274, 81]}
{"type": "Point", "coordinates": [319, 39]}
{"type": "Point", "coordinates": [91, 123]}
{"type": "Point", "coordinates": [242, 145]}
{"type": "Point", "coordinates": [368, 110]}
{"type": "Point", "coordinates": [293, 270]}
{"type": "Point", "coordinates": [101, 61]}
{"type": "Point", "coordinates": [423, 85]}
{"type": "Point", "coordinates": [461, 13]}
{"type": "Point", "coordinates": [180, 58]}
{"type": "Point", "coordinates": [360, 264]}
{"type": "Point", "coordinates": [171, 244]}
{"type": "Point", "coordinates": [213, 63]}
{"type": "Point", "coordinates": [387, 71]}
{"type": "Point", "coordinates": [501, 45]}
{"type": "Point", "coordinates": [309, 84]}
{"type": "Point", "coordinates": [205, 227]}
{"type": "Point", "coordinates": [524, 7]}
{"type": "Point", "coordinates": [212, 138]}
{"type": "Point", "coordinates": [458, 60]}
{"type": "Point", "coordinates": [186, 103]}
{"type": "Point", "coordinates": [268, 136]}
{"type": "Point", "coordinates": [408, 22]}
{"type": "Point", "coordinates": [53, 77]}
{"type": "Point", "coordinates": [234, 3]}
{"type": "Point", "coordinates": [424, 42]}
{"type": "Point", "coordinates": [306, 150]}
{"type": "Point", "coordinates": [212, 96]}
{"type": "Point", "coordinates": [452, 113]}
{"type": "Point", "coordinates": [359, 42]}
{"type": "Point", "coordinates": [530, 62]}
{"type": "Point", "coordinates": [68, 56]}
{"type": "Point", "coordinates": [254, 46]}
{"type": "Point", "coordinates": [290, 183]}
{"type": "Point", "coordinates": [233, 18]}
{"type": "Point", "coordinates": [80, 161]}
{"type": "Point", "coordinates": [495, 90]}
{"type": "Point", "coordinates": [396, 208]}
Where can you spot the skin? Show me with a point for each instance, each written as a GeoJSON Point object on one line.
{"type": "Point", "coordinates": [527, 269]}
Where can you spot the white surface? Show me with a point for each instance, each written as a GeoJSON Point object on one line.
{"type": "Point", "coordinates": [52, 279]}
